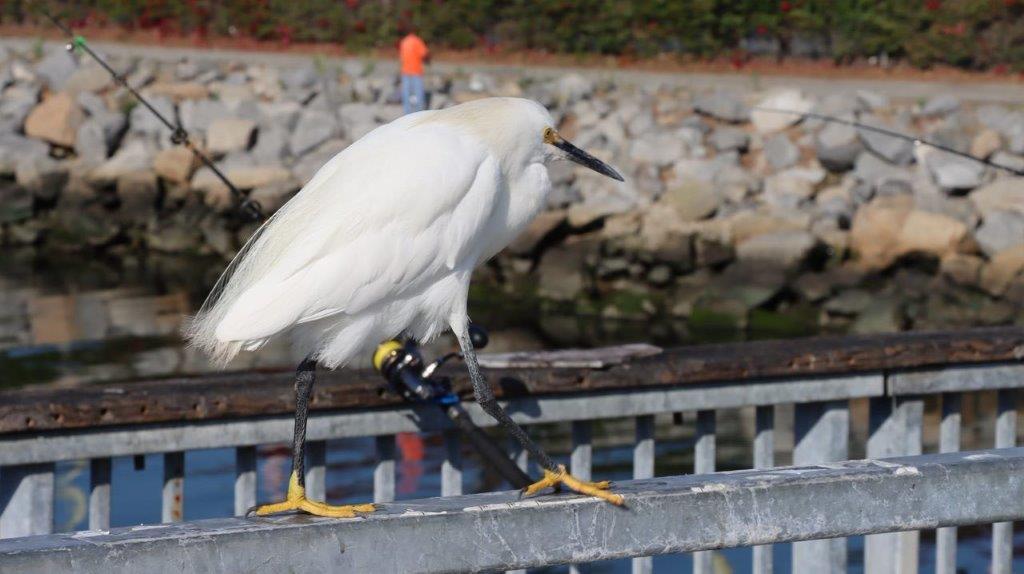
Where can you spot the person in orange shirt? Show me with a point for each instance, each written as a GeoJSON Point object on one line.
{"type": "Point", "coordinates": [413, 52]}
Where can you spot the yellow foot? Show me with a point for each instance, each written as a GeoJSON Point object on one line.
{"type": "Point", "coordinates": [296, 500]}
{"type": "Point", "coordinates": [562, 477]}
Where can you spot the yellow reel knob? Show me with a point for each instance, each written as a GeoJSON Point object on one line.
{"type": "Point", "coordinates": [385, 350]}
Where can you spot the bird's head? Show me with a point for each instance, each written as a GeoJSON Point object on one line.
{"type": "Point", "coordinates": [521, 132]}
{"type": "Point", "coordinates": [563, 149]}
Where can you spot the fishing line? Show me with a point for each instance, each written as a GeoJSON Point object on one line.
{"type": "Point", "coordinates": [880, 130]}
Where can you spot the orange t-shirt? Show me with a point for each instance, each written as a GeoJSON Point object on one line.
{"type": "Point", "coordinates": [412, 51]}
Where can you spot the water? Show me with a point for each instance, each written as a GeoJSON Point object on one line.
{"type": "Point", "coordinates": [72, 320]}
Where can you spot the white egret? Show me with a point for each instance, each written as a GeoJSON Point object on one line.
{"type": "Point", "coordinates": [382, 242]}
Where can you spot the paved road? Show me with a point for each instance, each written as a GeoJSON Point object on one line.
{"type": "Point", "coordinates": [739, 82]}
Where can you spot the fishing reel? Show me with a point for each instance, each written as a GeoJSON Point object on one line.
{"type": "Point", "coordinates": [411, 377]}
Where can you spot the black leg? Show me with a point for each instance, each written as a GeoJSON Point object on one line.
{"type": "Point", "coordinates": [485, 397]}
{"type": "Point", "coordinates": [305, 377]}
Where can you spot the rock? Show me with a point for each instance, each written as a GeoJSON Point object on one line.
{"type": "Point", "coordinates": [930, 233]}
{"type": "Point", "coordinates": [41, 175]}
{"type": "Point", "coordinates": [849, 302]}
{"type": "Point", "coordinates": [14, 110]}
{"type": "Point", "coordinates": [692, 199]}
{"type": "Point", "coordinates": [837, 147]}
{"type": "Point", "coordinates": [98, 135]}
{"type": "Point", "coordinates": [197, 115]}
{"type": "Point", "coordinates": [14, 148]}
{"type": "Point", "coordinates": [952, 172]}
{"type": "Point", "coordinates": [813, 287]}
{"type": "Point", "coordinates": [961, 268]}
{"type": "Point", "coordinates": [56, 68]}
{"type": "Point", "coordinates": [249, 177]}
{"type": "Point", "coordinates": [55, 120]}
{"type": "Point", "coordinates": [872, 100]}
{"type": "Point", "coordinates": [560, 273]}
{"type": "Point", "coordinates": [179, 91]}
{"type": "Point", "coordinates": [541, 226]}
{"type": "Point", "coordinates": [1001, 271]}
{"type": "Point", "coordinates": [1005, 194]}
{"type": "Point", "coordinates": [874, 235]}
{"type": "Point", "coordinates": [986, 143]}
{"type": "Point", "coordinates": [788, 190]}
{"type": "Point", "coordinates": [88, 78]}
{"type": "Point", "coordinates": [301, 76]}
{"type": "Point", "coordinates": [175, 164]}
{"type": "Point", "coordinates": [1008, 160]}
{"type": "Point", "coordinates": [572, 87]}
{"type": "Point", "coordinates": [746, 224]}
{"type": "Point", "coordinates": [134, 154]}
{"type": "Point", "coordinates": [780, 152]}
{"type": "Point", "coordinates": [15, 203]}
{"type": "Point", "coordinates": [81, 228]}
{"type": "Point", "coordinates": [138, 191]}
{"type": "Point", "coordinates": [144, 122]}
{"type": "Point", "coordinates": [726, 138]}
{"type": "Point", "coordinates": [660, 149]}
{"type": "Point", "coordinates": [883, 315]}
{"type": "Point", "coordinates": [893, 149]}
{"type": "Point", "coordinates": [999, 231]}
{"type": "Point", "coordinates": [876, 173]}
{"type": "Point", "coordinates": [271, 144]}
{"type": "Point", "coordinates": [229, 134]}
{"type": "Point", "coordinates": [313, 128]}
{"type": "Point", "coordinates": [723, 106]}
{"type": "Point", "coordinates": [179, 233]}
{"type": "Point", "coordinates": [940, 105]}
{"type": "Point", "coordinates": [766, 121]}
{"type": "Point", "coordinates": [780, 250]}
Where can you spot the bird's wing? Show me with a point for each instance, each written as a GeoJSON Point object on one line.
{"type": "Point", "coordinates": [381, 220]}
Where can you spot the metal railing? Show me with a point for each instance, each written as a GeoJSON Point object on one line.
{"type": "Point", "coordinates": [818, 377]}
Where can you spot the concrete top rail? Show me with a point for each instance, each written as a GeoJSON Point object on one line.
{"type": "Point", "coordinates": [498, 531]}
{"type": "Point", "coordinates": [226, 396]}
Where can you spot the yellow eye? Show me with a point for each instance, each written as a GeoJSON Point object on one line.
{"type": "Point", "coordinates": [550, 136]}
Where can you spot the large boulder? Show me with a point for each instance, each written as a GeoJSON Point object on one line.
{"type": "Point", "coordinates": [1005, 194]}
{"type": "Point", "coordinates": [692, 199]}
{"type": "Point", "coordinates": [893, 149]}
{"type": "Point", "coordinates": [134, 154]}
{"type": "Point", "coordinates": [952, 172]}
{"type": "Point", "coordinates": [874, 235]}
{"type": "Point", "coordinates": [175, 164]}
{"type": "Point", "coordinates": [767, 117]}
{"type": "Point", "coordinates": [55, 120]}
{"type": "Point", "coordinates": [931, 233]}
{"type": "Point", "coordinates": [723, 106]}
{"type": "Point", "coordinates": [14, 148]}
{"type": "Point", "coordinates": [229, 134]}
{"type": "Point", "coordinates": [779, 250]}
{"type": "Point", "coordinates": [660, 149]}
{"type": "Point", "coordinates": [1002, 269]}
{"type": "Point", "coordinates": [780, 152]}
{"type": "Point", "coordinates": [313, 128]}
{"type": "Point", "coordinates": [41, 175]}
{"type": "Point", "coordinates": [837, 147]}
{"type": "Point", "coordinates": [197, 115]}
{"type": "Point", "coordinates": [728, 138]}
{"type": "Point", "coordinates": [1000, 230]}
{"type": "Point", "coordinates": [56, 68]}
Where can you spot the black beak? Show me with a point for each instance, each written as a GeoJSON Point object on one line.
{"type": "Point", "coordinates": [583, 158]}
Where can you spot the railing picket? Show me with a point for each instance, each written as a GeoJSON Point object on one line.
{"type": "Point", "coordinates": [172, 507]}
{"type": "Point", "coordinates": [821, 433]}
{"type": "Point", "coordinates": [949, 441]}
{"type": "Point", "coordinates": [384, 470]}
{"type": "Point", "coordinates": [26, 497]}
{"type": "Point", "coordinates": [581, 459]}
{"type": "Point", "coordinates": [895, 430]}
{"type": "Point", "coordinates": [451, 467]}
{"type": "Point", "coordinates": [99, 494]}
{"type": "Point", "coordinates": [764, 457]}
{"type": "Point", "coordinates": [704, 463]}
{"type": "Point", "coordinates": [643, 467]}
{"type": "Point", "coordinates": [1006, 437]}
{"type": "Point", "coordinates": [245, 479]}
{"type": "Point", "coordinates": [316, 470]}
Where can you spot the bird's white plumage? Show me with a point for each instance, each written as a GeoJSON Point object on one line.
{"type": "Point", "coordinates": [384, 238]}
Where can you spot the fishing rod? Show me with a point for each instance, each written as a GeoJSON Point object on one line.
{"type": "Point", "coordinates": [892, 133]}
{"type": "Point", "coordinates": [249, 207]}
